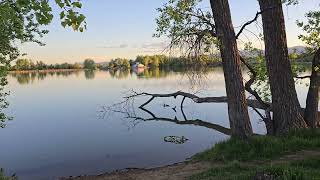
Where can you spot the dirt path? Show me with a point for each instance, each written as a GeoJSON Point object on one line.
{"type": "Point", "coordinates": [182, 171]}
{"type": "Point", "coordinates": [177, 171]}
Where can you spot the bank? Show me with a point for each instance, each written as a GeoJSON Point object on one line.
{"type": "Point", "coordinates": [295, 156]}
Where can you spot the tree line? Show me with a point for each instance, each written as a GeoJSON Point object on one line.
{"type": "Point", "coordinates": [151, 61]}
{"type": "Point", "coordinates": [27, 64]}
{"type": "Point", "coordinates": [163, 61]}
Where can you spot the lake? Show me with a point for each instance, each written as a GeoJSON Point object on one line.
{"type": "Point", "coordinates": [60, 128]}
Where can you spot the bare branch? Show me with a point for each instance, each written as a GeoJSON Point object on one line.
{"type": "Point", "coordinates": [153, 117]}
{"type": "Point", "coordinates": [248, 23]}
{"type": "Point", "coordinates": [302, 77]}
{"type": "Point", "coordinates": [251, 81]}
{"type": "Point", "coordinates": [255, 19]}
{"type": "Point", "coordinates": [194, 98]}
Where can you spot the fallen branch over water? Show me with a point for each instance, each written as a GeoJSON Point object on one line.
{"type": "Point", "coordinates": [222, 99]}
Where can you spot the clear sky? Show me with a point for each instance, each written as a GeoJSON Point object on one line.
{"type": "Point", "coordinates": [124, 28]}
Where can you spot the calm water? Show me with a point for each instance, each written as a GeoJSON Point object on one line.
{"type": "Point", "coordinates": [58, 129]}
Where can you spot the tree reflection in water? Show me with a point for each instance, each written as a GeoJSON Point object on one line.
{"type": "Point", "coordinates": [3, 98]}
{"type": "Point", "coordinates": [3, 116]}
{"type": "Point", "coordinates": [89, 74]}
{"type": "Point", "coordinates": [128, 110]}
{"type": "Point", "coordinates": [30, 77]}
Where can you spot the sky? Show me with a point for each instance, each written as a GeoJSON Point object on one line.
{"type": "Point", "coordinates": [124, 28]}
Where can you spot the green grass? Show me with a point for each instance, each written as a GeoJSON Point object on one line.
{"type": "Point", "coordinates": [243, 156]}
{"type": "Point", "coordinates": [231, 171]}
{"type": "Point", "coordinates": [3, 177]}
{"type": "Point", "coordinates": [297, 170]}
{"type": "Point", "coordinates": [262, 147]}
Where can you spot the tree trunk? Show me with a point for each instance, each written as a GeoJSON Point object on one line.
{"type": "Point", "coordinates": [237, 104]}
{"type": "Point", "coordinates": [285, 105]}
{"type": "Point", "coordinates": [311, 111]}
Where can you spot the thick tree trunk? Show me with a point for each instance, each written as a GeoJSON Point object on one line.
{"type": "Point", "coordinates": [285, 105]}
{"type": "Point", "coordinates": [237, 104]}
{"type": "Point", "coordinates": [311, 111]}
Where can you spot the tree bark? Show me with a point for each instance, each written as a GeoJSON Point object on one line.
{"type": "Point", "coordinates": [237, 104]}
{"type": "Point", "coordinates": [285, 105]}
{"type": "Point", "coordinates": [311, 111]}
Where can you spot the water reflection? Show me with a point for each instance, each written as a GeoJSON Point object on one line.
{"type": "Point", "coordinates": [4, 104]}
{"type": "Point", "coordinates": [29, 77]}
{"type": "Point", "coordinates": [144, 73]}
{"type": "Point", "coordinates": [129, 112]}
{"type": "Point", "coordinates": [120, 74]}
{"type": "Point", "coordinates": [89, 74]}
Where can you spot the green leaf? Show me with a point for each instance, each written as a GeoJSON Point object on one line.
{"type": "Point", "coordinates": [60, 3]}
{"type": "Point", "coordinates": [62, 15]}
{"type": "Point", "coordinates": [77, 4]}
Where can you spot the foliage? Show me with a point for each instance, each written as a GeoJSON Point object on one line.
{"type": "Point", "coordinates": [164, 62]}
{"type": "Point", "coordinates": [255, 57]}
{"type": "Point", "coordinates": [21, 22]}
{"type": "Point", "coordinates": [312, 29]}
{"type": "Point", "coordinates": [27, 64]}
{"type": "Point", "coordinates": [294, 55]}
{"type": "Point", "coordinates": [89, 64]}
{"type": "Point", "coordinates": [262, 147]}
{"type": "Point", "coordinates": [69, 16]}
{"type": "Point", "coordinates": [3, 97]}
{"type": "Point", "coordinates": [312, 32]}
{"type": "Point", "coordinates": [119, 63]}
{"type": "Point", "coordinates": [189, 28]}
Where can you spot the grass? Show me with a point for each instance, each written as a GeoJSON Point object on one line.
{"type": "Point", "coordinates": [307, 169]}
{"type": "Point", "coordinates": [4, 177]}
{"type": "Point", "coordinates": [262, 147]}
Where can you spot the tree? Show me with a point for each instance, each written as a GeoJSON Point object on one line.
{"type": "Point", "coordinates": [89, 64]}
{"type": "Point", "coordinates": [77, 66]}
{"type": "Point", "coordinates": [285, 105]}
{"type": "Point", "coordinates": [294, 55]}
{"type": "Point", "coordinates": [21, 21]}
{"type": "Point", "coordinates": [40, 65]}
{"type": "Point", "coordinates": [237, 105]}
{"type": "Point", "coordinates": [193, 30]}
{"type": "Point", "coordinates": [126, 64]}
{"type": "Point", "coordinates": [23, 64]}
{"type": "Point", "coordinates": [312, 39]}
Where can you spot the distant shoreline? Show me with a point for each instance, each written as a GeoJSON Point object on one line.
{"type": "Point", "coordinates": [74, 70]}
{"type": "Point", "coordinates": [45, 70]}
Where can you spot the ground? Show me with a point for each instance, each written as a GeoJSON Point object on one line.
{"type": "Point", "coordinates": [191, 169]}
{"type": "Point", "coordinates": [293, 156]}
{"type": "Point", "coordinates": [175, 172]}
